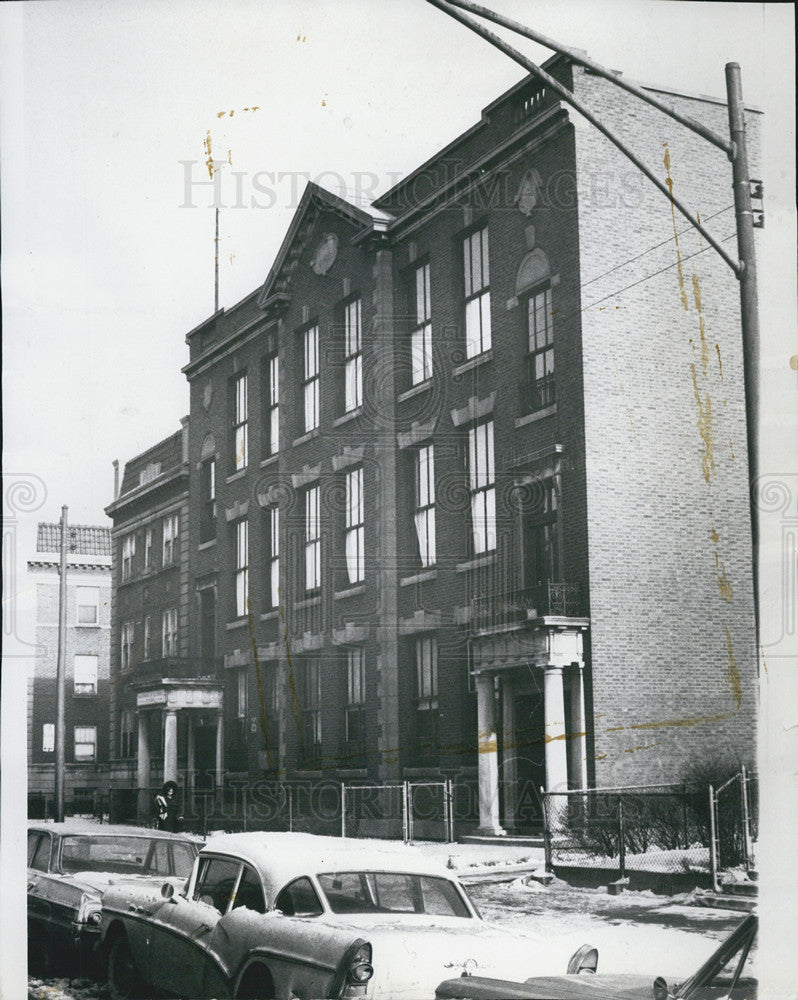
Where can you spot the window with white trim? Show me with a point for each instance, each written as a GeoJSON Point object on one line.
{"type": "Point", "coordinates": [353, 356]}
{"type": "Point", "coordinates": [273, 526]}
{"type": "Point", "coordinates": [312, 539]}
{"type": "Point", "coordinates": [239, 421]}
{"type": "Point", "coordinates": [87, 600]}
{"type": "Point", "coordinates": [128, 555]}
{"type": "Point", "coordinates": [148, 548]}
{"type": "Point", "coordinates": [477, 293]}
{"type": "Point", "coordinates": [356, 699]}
{"type": "Point", "coordinates": [354, 530]}
{"type": "Point", "coordinates": [424, 516]}
{"type": "Point", "coordinates": [85, 744]}
{"type": "Point", "coordinates": [127, 638]}
{"type": "Point", "coordinates": [171, 525]}
{"type": "Point", "coordinates": [242, 567]}
{"type": "Point", "coordinates": [310, 377]}
{"type": "Point", "coordinates": [481, 478]}
{"type": "Point", "coordinates": [540, 347]}
{"type": "Point", "coordinates": [48, 737]}
{"type": "Point", "coordinates": [85, 672]}
{"type": "Point", "coordinates": [208, 500]}
{"type": "Point", "coordinates": [147, 637]}
{"type": "Point", "coordinates": [421, 335]}
{"type": "Point", "coordinates": [271, 405]}
{"type": "Point", "coordinates": [169, 633]}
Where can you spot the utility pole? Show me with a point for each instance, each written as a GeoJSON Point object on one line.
{"type": "Point", "coordinates": [59, 675]}
{"type": "Point", "coordinates": [216, 266]}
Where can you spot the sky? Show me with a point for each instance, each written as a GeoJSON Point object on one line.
{"type": "Point", "coordinates": [108, 111]}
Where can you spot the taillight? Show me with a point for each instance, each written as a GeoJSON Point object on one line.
{"type": "Point", "coordinates": [361, 969]}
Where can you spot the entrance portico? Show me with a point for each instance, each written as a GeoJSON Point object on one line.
{"type": "Point", "coordinates": [530, 683]}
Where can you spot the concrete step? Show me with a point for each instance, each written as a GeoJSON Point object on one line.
{"type": "Point", "coordinates": [750, 889]}
{"type": "Point", "coordinates": [717, 900]}
{"type": "Point", "coordinates": [511, 840]}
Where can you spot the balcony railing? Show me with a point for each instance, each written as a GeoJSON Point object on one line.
{"type": "Point", "coordinates": [177, 667]}
{"type": "Point", "coordinates": [537, 393]}
{"type": "Point", "coordinates": [519, 606]}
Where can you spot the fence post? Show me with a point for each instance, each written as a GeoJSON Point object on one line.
{"type": "Point", "coordinates": [746, 818]}
{"type": "Point", "coordinates": [343, 809]}
{"type": "Point", "coordinates": [204, 815]}
{"type": "Point", "coordinates": [544, 797]}
{"type": "Point", "coordinates": [449, 793]}
{"type": "Point", "coordinates": [405, 824]}
{"type": "Point", "coordinates": [713, 856]}
{"type": "Point", "coordinates": [621, 839]}
{"type": "Point", "coordinates": [290, 809]}
{"type": "Point", "coordinates": [684, 818]}
{"type": "Point", "coordinates": [244, 805]}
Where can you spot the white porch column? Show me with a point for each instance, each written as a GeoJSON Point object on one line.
{"type": "Point", "coordinates": [554, 713]}
{"type": "Point", "coordinates": [488, 768]}
{"type": "Point", "coordinates": [170, 746]}
{"type": "Point", "coordinates": [219, 751]}
{"type": "Point", "coordinates": [577, 737]}
{"type": "Point", "coordinates": [143, 761]}
{"type": "Point", "coordinates": [509, 773]}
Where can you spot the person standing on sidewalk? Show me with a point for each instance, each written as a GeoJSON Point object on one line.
{"type": "Point", "coordinates": [166, 808]}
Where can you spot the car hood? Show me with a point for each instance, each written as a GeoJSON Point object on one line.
{"type": "Point", "coordinates": [412, 953]}
{"type": "Point", "coordinates": [96, 883]}
{"type": "Point", "coordinates": [577, 987]}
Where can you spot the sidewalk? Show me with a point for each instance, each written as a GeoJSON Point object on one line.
{"type": "Point", "coordinates": [474, 859]}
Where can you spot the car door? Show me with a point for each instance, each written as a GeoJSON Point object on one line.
{"type": "Point", "coordinates": [182, 927]}
{"type": "Point", "coordinates": [229, 941]}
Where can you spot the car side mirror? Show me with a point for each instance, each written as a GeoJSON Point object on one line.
{"type": "Point", "coordinates": [584, 959]}
{"type": "Point", "coordinates": [168, 892]}
{"type": "Point", "coordinates": [660, 989]}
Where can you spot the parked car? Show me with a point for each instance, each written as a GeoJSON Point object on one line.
{"type": "Point", "coordinates": [726, 974]}
{"type": "Point", "coordinates": [301, 916]}
{"type": "Point", "coordinates": [71, 864]}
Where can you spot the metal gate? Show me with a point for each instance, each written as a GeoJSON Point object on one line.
{"type": "Point", "coordinates": [733, 823]}
{"type": "Point", "coordinates": [405, 811]}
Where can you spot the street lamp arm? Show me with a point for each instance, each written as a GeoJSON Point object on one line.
{"type": "Point", "coordinates": [569, 98]}
{"type": "Point", "coordinates": [597, 68]}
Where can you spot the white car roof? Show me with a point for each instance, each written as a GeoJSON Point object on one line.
{"type": "Point", "coordinates": [86, 827]}
{"type": "Point", "coordinates": [281, 857]}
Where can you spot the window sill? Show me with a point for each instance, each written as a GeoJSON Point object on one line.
{"type": "Point", "coordinates": [84, 694]}
{"type": "Point", "coordinates": [238, 623]}
{"type": "Point", "coordinates": [87, 625]}
{"type": "Point", "coordinates": [415, 391]}
{"type": "Point", "coordinates": [269, 460]}
{"type": "Point", "coordinates": [531, 418]}
{"type": "Point", "coordinates": [206, 545]}
{"type": "Point", "coordinates": [480, 359]}
{"type": "Point", "coordinates": [308, 602]}
{"type": "Point", "coordinates": [422, 577]}
{"type": "Point", "coordinates": [358, 410]}
{"type": "Point", "coordinates": [487, 559]}
{"type": "Point", "coordinates": [269, 616]}
{"type": "Point", "coordinates": [238, 474]}
{"type": "Point", "coordinates": [306, 437]}
{"type": "Point", "coordinates": [353, 591]}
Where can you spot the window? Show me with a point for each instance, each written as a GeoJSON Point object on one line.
{"type": "Point", "coordinates": [310, 378]}
{"type": "Point", "coordinates": [421, 336]}
{"type": "Point", "coordinates": [311, 713]}
{"type": "Point", "coordinates": [127, 733]}
{"type": "Point", "coordinates": [215, 882]}
{"type": "Point", "coordinates": [353, 357]}
{"type": "Point", "coordinates": [355, 555]}
{"type": "Point", "coordinates": [148, 548]}
{"type": "Point", "coordinates": [239, 414]}
{"type": "Point", "coordinates": [477, 294]}
{"type": "Point", "coordinates": [312, 540]}
{"type": "Point", "coordinates": [169, 633]}
{"type": "Point", "coordinates": [170, 538]}
{"type": "Point", "coordinates": [355, 700]}
{"type": "Point", "coordinates": [425, 504]}
{"type": "Point", "coordinates": [147, 637]}
{"type": "Point", "coordinates": [540, 345]}
{"type": "Point", "coordinates": [208, 500]}
{"type": "Point", "coordinates": [85, 673]}
{"type": "Point", "coordinates": [250, 892]}
{"type": "Point", "coordinates": [85, 744]}
{"type": "Point", "coordinates": [273, 525]}
{"type": "Point", "coordinates": [541, 536]}
{"type": "Point", "coordinates": [242, 564]}
{"type": "Point", "coordinates": [271, 405]}
{"type": "Point", "coordinates": [128, 554]}
{"type": "Point", "coordinates": [299, 899]}
{"type": "Point", "coordinates": [48, 737]}
{"type": "Point", "coordinates": [241, 693]}
{"type": "Point", "coordinates": [426, 650]}
{"type": "Point", "coordinates": [127, 645]}
{"type": "Point", "coordinates": [88, 605]}
{"type": "Point", "coordinates": [482, 488]}
{"type": "Point", "coordinates": [39, 847]}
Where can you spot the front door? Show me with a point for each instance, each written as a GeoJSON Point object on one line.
{"type": "Point", "coordinates": [204, 756]}
{"type": "Point", "coordinates": [529, 761]}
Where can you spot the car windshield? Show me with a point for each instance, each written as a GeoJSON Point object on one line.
{"type": "Point", "coordinates": [128, 855]}
{"type": "Point", "coordinates": [391, 892]}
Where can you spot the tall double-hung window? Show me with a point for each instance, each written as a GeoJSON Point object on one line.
{"type": "Point", "coordinates": [242, 567]}
{"type": "Point", "coordinates": [540, 347]}
{"type": "Point", "coordinates": [171, 525]}
{"type": "Point", "coordinates": [354, 530]}
{"type": "Point", "coordinates": [426, 687]}
{"type": "Point", "coordinates": [476, 280]}
{"type": "Point", "coordinates": [169, 632]}
{"type": "Point", "coordinates": [128, 555]}
{"type": "Point", "coordinates": [482, 486]}
{"type": "Point", "coordinates": [208, 500]}
{"type": "Point", "coordinates": [239, 408]}
{"type": "Point", "coordinates": [356, 699]}
{"type": "Point", "coordinates": [273, 518]}
{"type": "Point", "coordinates": [271, 397]}
{"type": "Point", "coordinates": [353, 356]}
{"type": "Point", "coordinates": [421, 336]}
{"type": "Point", "coordinates": [312, 539]}
{"type": "Point", "coordinates": [311, 712]}
{"type": "Point", "coordinates": [425, 504]}
{"type": "Point", "coordinates": [126, 645]}
{"type": "Point", "coordinates": [310, 378]}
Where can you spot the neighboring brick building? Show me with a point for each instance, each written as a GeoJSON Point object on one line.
{"type": "Point", "coordinates": [467, 476]}
{"type": "Point", "coordinates": [88, 625]}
